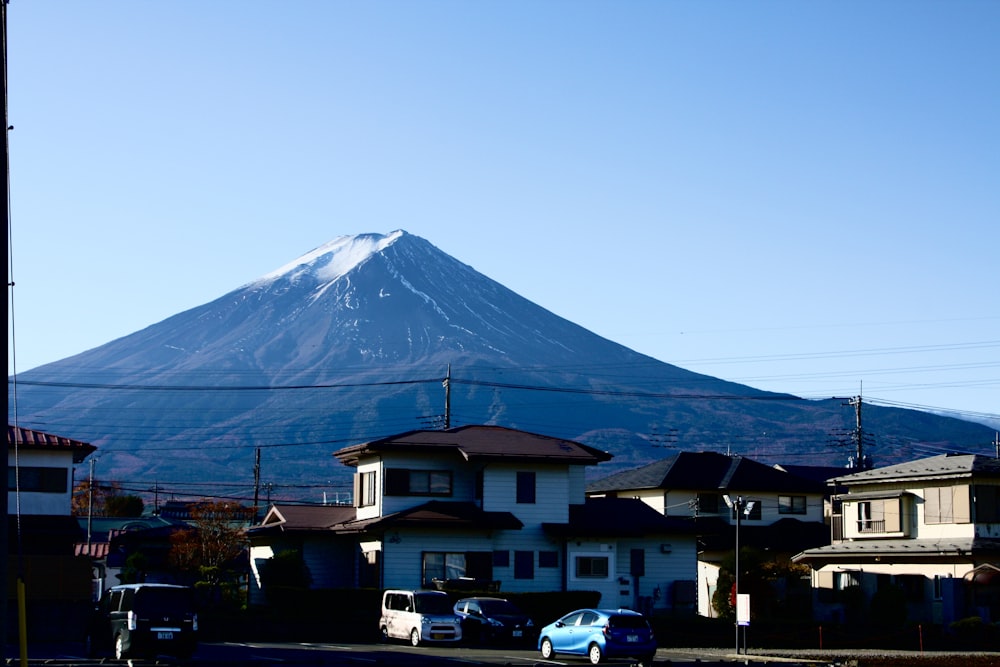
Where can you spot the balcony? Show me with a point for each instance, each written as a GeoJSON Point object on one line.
{"type": "Point", "coordinates": [871, 526]}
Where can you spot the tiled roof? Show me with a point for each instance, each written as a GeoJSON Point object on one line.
{"type": "Point", "coordinates": [703, 471]}
{"type": "Point", "coordinates": [901, 550]}
{"type": "Point", "coordinates": [487, 443]}
{"type": "Point", "coordinates": [30, 439]}
{"type": "Point", "coordinates": [935, 467]}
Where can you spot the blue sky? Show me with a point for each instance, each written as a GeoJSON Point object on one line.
{"type": "Point", "coordinates": [798, 196]}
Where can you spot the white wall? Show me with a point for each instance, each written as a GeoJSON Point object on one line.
{"type": "Point", "coordinates": [42, 503]}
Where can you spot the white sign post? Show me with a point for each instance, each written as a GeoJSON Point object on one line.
{"type": "Point", "coordinates": [742, 617]}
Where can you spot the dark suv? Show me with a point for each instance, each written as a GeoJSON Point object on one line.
{"type": "Point", "coordinates": [145, 620]}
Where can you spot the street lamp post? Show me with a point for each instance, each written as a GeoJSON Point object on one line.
{"type": "Point", "coordinates": [740, 506]}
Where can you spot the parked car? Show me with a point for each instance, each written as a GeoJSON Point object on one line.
{"type": "Point", "coordinates": [600, 634]}
{"type": "Point", "coordinates": [486, 619]}
{"type": "Point", "coordinates": [419, 616]}
{"type": "Point", "coordinates": [145, 620]}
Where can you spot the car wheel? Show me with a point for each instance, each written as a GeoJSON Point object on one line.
{"type": "Point", "coordinates": [594, 653]}
{"type": "Point", "coordinates": [547, 651]}
{"type": "Point", "coordinates": [647, 660]}
{"type": "Point", "coordinates": [120, 652]}
{"type": "Point", "coordinates": [414, 637]}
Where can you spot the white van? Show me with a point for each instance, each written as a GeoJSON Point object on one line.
{"type": "Point", "coordinates": [420, 616]}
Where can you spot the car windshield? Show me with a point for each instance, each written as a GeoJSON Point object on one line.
{"type": "Point", "coordinates": [631, 622]}
{"type": "Point", "coordinates": [432, 604]}
{"type": "Point", "coordinates": [496, 607]}
{"type": "Point", "coordinates": [164, 600]}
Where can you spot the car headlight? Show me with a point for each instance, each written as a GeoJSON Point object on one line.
{"type": "Point", "coordinates": [495, 623]}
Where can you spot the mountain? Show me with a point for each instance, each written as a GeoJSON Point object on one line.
{"type": "Point", "coordinates": [354, 341]}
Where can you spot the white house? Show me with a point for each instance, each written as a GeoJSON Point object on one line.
{"type": "Point", "coordinates": [783, 512]}
{"type": "Point", "coordinates": [490, 507]}
{"type": "Point", "coordinates": [930, 527]}
{"type": "Point", "coordinates": [41, 549]}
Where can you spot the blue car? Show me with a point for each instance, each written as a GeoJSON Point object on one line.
{"type": "Point", "coordinates": [599, 634]}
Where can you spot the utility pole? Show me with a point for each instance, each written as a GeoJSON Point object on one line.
{"type": "Point", "coordinates": [859, 434]}
{"type": "Point", "coordinates": [996, 443]}
{"type": "Point", "coordinates": [447, 399]}
{"type": "Point", "coordinates": [256, 485]}
{"type": "Point", "coordinates": [90, 505]}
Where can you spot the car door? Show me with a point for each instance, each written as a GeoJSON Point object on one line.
{"type": "Point", "coordinates": [562, 635]}
{"type": "Point", "coordinates": [584, 631]}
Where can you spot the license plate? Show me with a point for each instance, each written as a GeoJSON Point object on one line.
{"type": "Point", "coordinates": [164, 635]}
{"type": "Point", "coordinates": [438, 635]}
{"type": "Point", "coordinates": [516, 633]}
{"type": "Point", "coordinates": [631, 638]}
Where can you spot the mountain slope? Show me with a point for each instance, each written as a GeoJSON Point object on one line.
{"type": "Point", "coordinates": [353, 341]}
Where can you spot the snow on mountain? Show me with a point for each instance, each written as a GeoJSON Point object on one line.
{"type": "Point", "coordinates": [352, 341]}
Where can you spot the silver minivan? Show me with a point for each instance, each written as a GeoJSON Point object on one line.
{"type": "Point", "coordinates": [419, 616]}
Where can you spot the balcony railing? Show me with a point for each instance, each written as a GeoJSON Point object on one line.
{"type": "Point", "coordinates": [871, 526]}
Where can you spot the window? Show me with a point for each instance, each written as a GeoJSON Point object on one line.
{"type": "Point", "coordinates": [443, 566]}
{"type": "Point", "coordinates": [402, 482]}
{"type": "Point", "coordinates": [524, 565]}
{"type": "Point", "coordinates": [708, 503]}
{"type": "Point", "coordinates": [366, 489]}
{"type": "Point", "coordinates": [791, 504]}
{"type": "Point", "coordinates": [501, 558]}
{"type": "Point", "coordinates": [592, 567]}
{"type": "Point", "coordinates": [845, 580]}
{"type": "Point", "coordinates": [947, 504]}
{"type": "Point", "coordinates": [39, 480]}
{"type": "Point", "coordinates": [548, 559]}
{"type": "Point", "coordinates": [987, 503]}
{"type": "Point", "coordinates": [525, 488]}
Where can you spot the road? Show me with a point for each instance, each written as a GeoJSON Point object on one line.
{"type": "Point", "coordinates": [267, 654]}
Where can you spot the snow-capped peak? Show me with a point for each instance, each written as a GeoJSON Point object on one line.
{"type": "Point", "coordinates": [334, 258]}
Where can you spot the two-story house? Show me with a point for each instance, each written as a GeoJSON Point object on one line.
{"type": "Point", "coordinates": [42, 531]}
{"type": "Point", "coordinates": [930, 527]}
{"type": "Point", "coordinates": [496, 506]}
{"type": "Point", "coordinates": [785, 510]}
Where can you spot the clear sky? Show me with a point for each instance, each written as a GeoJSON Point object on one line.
{"type": "Point", "coordinates": [797, 196]}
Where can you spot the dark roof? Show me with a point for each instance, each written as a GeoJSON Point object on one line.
{"type": "Point", "coordinates": [439, 514]}
{"type": "Point", "coordinates": [306, 517]}
{"type": "Point", "coordinates": [703, 471]}
{"type": "Point", "coordinates": [785, 536]}
{"type": "Point", "coordinates": [484, 443]}
{"type": "Point", "coordinates": [618, 517]}
{"type": "Point", "coordinates": [30, 439]}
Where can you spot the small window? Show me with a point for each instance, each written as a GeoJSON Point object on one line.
{"type": "Point", "coordinates": [592, 567]}
{"type": "Point", "coordinates": [548, 559]}
{"type": "Point", "coordinates": [366, 489]}
{"type": "Point", "coordinates": [525, 488]}
{"type": "Point", "coordinates": [708, 503]}
{"type": "Point", "coordinates": [791, 504]}
{"type": "Point", "coordinates": [524, 565]}
{"type": "Point", "coordinates": [402, 482]}
{"type": "Point", "coordinates": [501, 558]}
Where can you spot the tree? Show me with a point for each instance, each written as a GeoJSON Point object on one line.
{"type": "Point", "coordinates": [104, 499]}
{"type": "Point", "coordinates": [209, 551]}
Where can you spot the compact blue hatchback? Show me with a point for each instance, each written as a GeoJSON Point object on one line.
{"type": "Point", "coordinates": [599, 634]}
